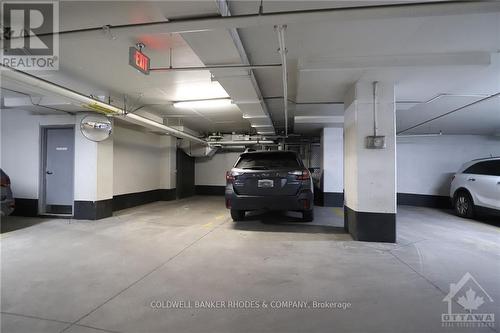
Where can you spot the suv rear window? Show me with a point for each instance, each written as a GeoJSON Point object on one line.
{"type": "Point", "coordinates": [490, 168]}
{"type": "Point", "coordinates": [268, 161]}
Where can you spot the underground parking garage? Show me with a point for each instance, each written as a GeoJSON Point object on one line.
{"type": "Point", "coordinates": [250, 166]}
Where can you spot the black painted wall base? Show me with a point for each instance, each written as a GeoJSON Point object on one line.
{"type": "Point", "coordinates": [333, 199]}
{"type": "Point", "coordinates": [336, 199]}
{"type": "Point", "coordinates": [328, 199]}
{"type": "Point", "coordinates": [93, 210]}
{"type": "Point", "coordinates": [26, 207]}
{"type": "Point", "coordinates": [210, 190]}
{"type": "Point", "coordinates": [370, 227]}
{"type": "Point", "coordinates": [129, 200]}
{"type": "Point", "coordinates": [424, 200]}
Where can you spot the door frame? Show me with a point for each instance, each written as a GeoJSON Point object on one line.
{"type": "Point", "coordinates": [43, 166]}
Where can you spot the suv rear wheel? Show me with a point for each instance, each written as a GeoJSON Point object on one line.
{"type": "Point", "coordinates": [308, 215]}
{"type": "Point", "coordinates": [237, 215]}
{"type": "Point", "coordinates": [464, 207]}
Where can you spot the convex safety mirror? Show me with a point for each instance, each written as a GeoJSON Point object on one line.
{"type": "Point", "coordinates": [96, 127]}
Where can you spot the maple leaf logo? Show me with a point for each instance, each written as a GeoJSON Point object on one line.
{"type": "Point", "coordinates": [470, 301]}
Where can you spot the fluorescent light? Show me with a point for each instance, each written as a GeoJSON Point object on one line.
{"type": "Point", "coordinates": [251, 101]}
{"type": "Point", "coordinates": [203, 103]}
{"type": "Point", "coordinates": [248, 116]}
{"type": "Point", "coordinates": [255, 126]}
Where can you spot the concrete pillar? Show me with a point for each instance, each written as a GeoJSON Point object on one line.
{"type": "Point", "coordinates": [370, 173]}
{"type": "Point", "coordinates": [93, 176]}
{"type": "Point", "coordinates": [332, 143]}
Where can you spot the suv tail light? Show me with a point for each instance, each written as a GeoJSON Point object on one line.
{"type": "Point", "coordinates": [5, 181]}
{"type": "Point", "coordinates": [301, 175]}
{"type": "Point", "coordinates": [231, 176]}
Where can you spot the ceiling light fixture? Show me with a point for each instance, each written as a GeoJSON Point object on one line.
{"type": "Point", "coordinates": [248, 116]}
{"type": "Point", "coordinates": [250, 101]}
{"type": "Point", "coordinates": [255, 126]}
{"type": "Point", "coordinates": [203, 103]}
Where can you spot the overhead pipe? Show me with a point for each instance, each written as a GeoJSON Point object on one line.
{"type": "Point", "coordinates": [375, 105]}
{"type": "Point", "coordinates": [37, 82]}
{"type": "Point", "coordinates": [214, 67]}
{"type": "Point", "coordinates": [282, 50]}
{"type": "Point", "coordinates": [215, 22]}
{"type": "Point", "coordinates": [239, 142]}
{"type": "Point", "coordinates": [93, 104]}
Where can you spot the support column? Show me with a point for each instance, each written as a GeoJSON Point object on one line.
{"type": "Point", "coordinates": [93, 177]}
{"type": "Point", "coordinates": [332, 143]}
{"type": "Point", "coordinates": [168, 167]}
{"type": "Point", "coordinates": [369, 172]}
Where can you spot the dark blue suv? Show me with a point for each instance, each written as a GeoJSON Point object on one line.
{"type": "Point", "coordinates": [269, 180]}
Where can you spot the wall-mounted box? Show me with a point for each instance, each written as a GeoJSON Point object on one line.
{"type": "Point", "coordinates": [375, 142]}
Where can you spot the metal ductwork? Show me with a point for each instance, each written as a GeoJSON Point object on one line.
{"type": "Point", "coordinates": [93, 104]}
{"type": "Point", "coordinates": [195, 149]}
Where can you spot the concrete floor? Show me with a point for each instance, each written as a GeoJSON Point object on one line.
{"type": "Point", "coordinates": [94, 276]}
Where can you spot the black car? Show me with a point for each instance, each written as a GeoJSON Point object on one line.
{"type": "Point", "coordinates": [269, 180]}
{"type": "Point", "coordinates": [7, 200]}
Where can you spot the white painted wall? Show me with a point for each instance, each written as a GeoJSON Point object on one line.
{"type": "Point", "coordinates": [20, 151]}
{"type": "Point", "coordinates": [20, 155]}
{"type": "Point", "coordinates": [332, 145]}
{"type": "Point", "coordinates": [131, 161]}
{"type": "Point", "coordinates": [142, 161]}
{"type": "Point", "coordinates": [426, 164]}
{"type": "Point", "coordinates": [212, 171]}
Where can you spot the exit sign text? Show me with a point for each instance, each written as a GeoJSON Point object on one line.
{"type": "Point", "coordinates": [138, 60]}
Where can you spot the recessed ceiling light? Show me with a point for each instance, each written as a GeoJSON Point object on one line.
{"type": "Point", "coordinates": [203, 104]}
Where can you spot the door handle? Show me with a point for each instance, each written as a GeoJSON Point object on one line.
{"type": "Point", "coordinates": [49, 172]}
{"type": "Point", "coordinates": [472, 179]}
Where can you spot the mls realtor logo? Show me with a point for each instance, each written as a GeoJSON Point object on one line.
{"type": "Point", "coordinates": [29, 35]}
{"type": "Point", "coordinates": [469, 294]}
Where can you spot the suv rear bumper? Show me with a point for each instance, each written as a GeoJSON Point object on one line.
{"type": "Point", "coordinates": [301, 201]}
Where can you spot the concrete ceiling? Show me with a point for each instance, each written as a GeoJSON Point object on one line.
{"type": "Point", "coordinates": [435, 55]}
{"type": "Point", "coordinates": [450, 54]}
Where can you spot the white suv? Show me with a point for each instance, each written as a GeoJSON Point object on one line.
{"type": "Point", "coordinates": [475, 187]}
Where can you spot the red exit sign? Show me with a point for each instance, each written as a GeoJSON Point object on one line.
{"type": "Point", "coordinates": [138, 60]}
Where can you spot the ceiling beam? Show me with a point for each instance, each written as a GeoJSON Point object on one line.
{"type": "Point", "coordinates": [407, 60]}
{"type": "Point", "coordinates": [319, 119]}
{"type": "Point", "coordinates": [224, 10]}
{"type": "Point", "coordinates": [216, 22]}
